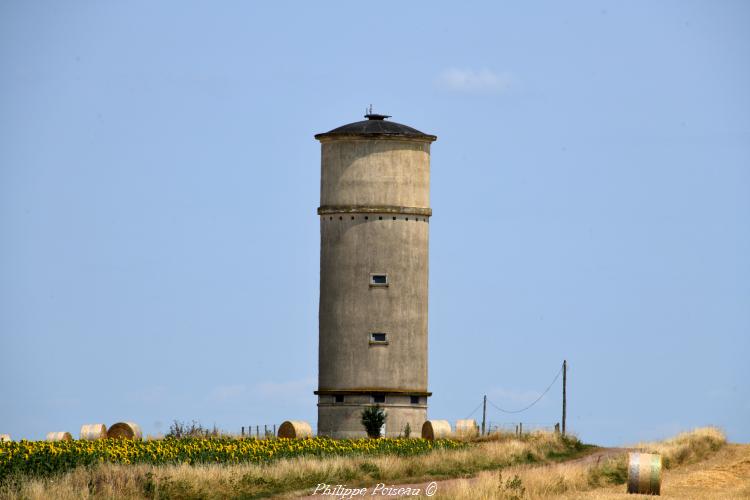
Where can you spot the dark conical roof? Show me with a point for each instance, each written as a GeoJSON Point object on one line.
{"type": "Point", "coordinates": [376, 126]}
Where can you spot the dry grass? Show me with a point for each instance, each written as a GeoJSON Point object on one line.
{"type": "Point", "coordinates": [687, 447]}
{"type": "Point", "coordinates": [703, 448]}
{"type": "Point", "coordinates": [699, 465]}
{"type": "Point", "coordinates": [302, 474]}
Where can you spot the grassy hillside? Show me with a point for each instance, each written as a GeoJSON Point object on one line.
{"type": "Point", "coordinates": [249, 480]}
{"type": "Point", "coordinates": [699, 457]}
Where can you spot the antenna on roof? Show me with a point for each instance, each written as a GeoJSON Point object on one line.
{"type": "Point", "coordinates": [374, 116]}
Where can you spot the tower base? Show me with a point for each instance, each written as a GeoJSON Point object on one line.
{"type": "Point", "coordinates": [344, 420]}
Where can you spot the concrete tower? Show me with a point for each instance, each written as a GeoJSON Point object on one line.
{"type": "Point", "coordinates": [374, 226]}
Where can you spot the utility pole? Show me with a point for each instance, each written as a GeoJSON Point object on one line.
{"type": "Point", "coordinates": [484, 413]}
{"type": "Point", "coordinates": [565, 381]}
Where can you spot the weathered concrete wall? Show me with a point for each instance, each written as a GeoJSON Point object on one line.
{"type": "Point", "coordinates": [375, 172]}
{"type": "Point", "coordinates": [350, 309]}
{"type": "Point", "coordinates": [343, 420]}
{"type": "Point", "coordinates": [374, 219]}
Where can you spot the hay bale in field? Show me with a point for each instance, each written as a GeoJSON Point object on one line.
{"type": "Point", "coordinates": [92, 432]}
{"type": "Point", "coordinates": [59, 436]}
{"type": "Point", "coordinates": [644, 473]}
{"type": "Point", "coordinates": [436, 429]}
{"type": "Point", "coordinates": [467, 428]}
{"type": "Point", "coordinates": [295, 429]}
{"type": "Point", "coordinates": [4, 438]}
{"type": "Point", "coordinates": [125, 430]}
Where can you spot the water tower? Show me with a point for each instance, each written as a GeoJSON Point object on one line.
{"type": "Point", "coordinates": [374, 231]}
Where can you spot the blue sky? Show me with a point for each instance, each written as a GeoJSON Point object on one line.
{"type": "Point", "coordinates": [590, 187]}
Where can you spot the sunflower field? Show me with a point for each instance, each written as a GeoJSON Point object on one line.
{"type": "Point", "coordinates": [45, 458]}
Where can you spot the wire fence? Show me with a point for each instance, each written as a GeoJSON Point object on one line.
{"type": "Point", "coordinates": [259, 431]}
{"type": "Point", "coordinates": [521, 427]}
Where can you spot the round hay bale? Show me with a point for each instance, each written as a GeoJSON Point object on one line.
{"type": "Point", "coordinates": [59, 436]}
{"type": "Point", "coordinates": [467, 428]}
{"type": "Point", "coordinates": [295, 429]}
{"type": "Point", "coordinates": [5, 438]}
{"type": "Point", "coordinates": [436, 429]}
{"type": "Point", "coordinates": [125, 430]}
{"type": "Point", "coordinates": [644, 473]}
{"type": "Point", "coordinates": [92, 432]}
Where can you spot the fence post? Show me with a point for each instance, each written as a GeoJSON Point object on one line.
{"type": "Point", "coordinates": [265, 431]}
{"type": "Point", "coordinates": [274, 430]}
{"type": "Point", "coordinates": [243, 431]}
{"type": "Point", "coordinates": [520, 428]}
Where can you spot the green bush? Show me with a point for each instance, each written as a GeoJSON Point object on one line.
{"type": "Point", "coordinates": [373, 419]}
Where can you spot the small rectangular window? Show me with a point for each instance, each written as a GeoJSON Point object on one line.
{"type": "Point", "coordinates": [378, 398]}
{"type": "Point", "coordinates": [378, 279]}
{"type": "Point", "coordinates": [339, 398]}
{"type": "Point", "coordinates": [378, 338]}
{"type": "Point", "coordinates": [415, 400]}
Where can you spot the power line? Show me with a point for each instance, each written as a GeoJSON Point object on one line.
{"type": "Point", "coordinates": [535, 401]}
{"type": "Point", "coordinates": [475, 409]}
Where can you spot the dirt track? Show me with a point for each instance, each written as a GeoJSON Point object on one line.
{"type": "Point", "coordinates": [594, 457]}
